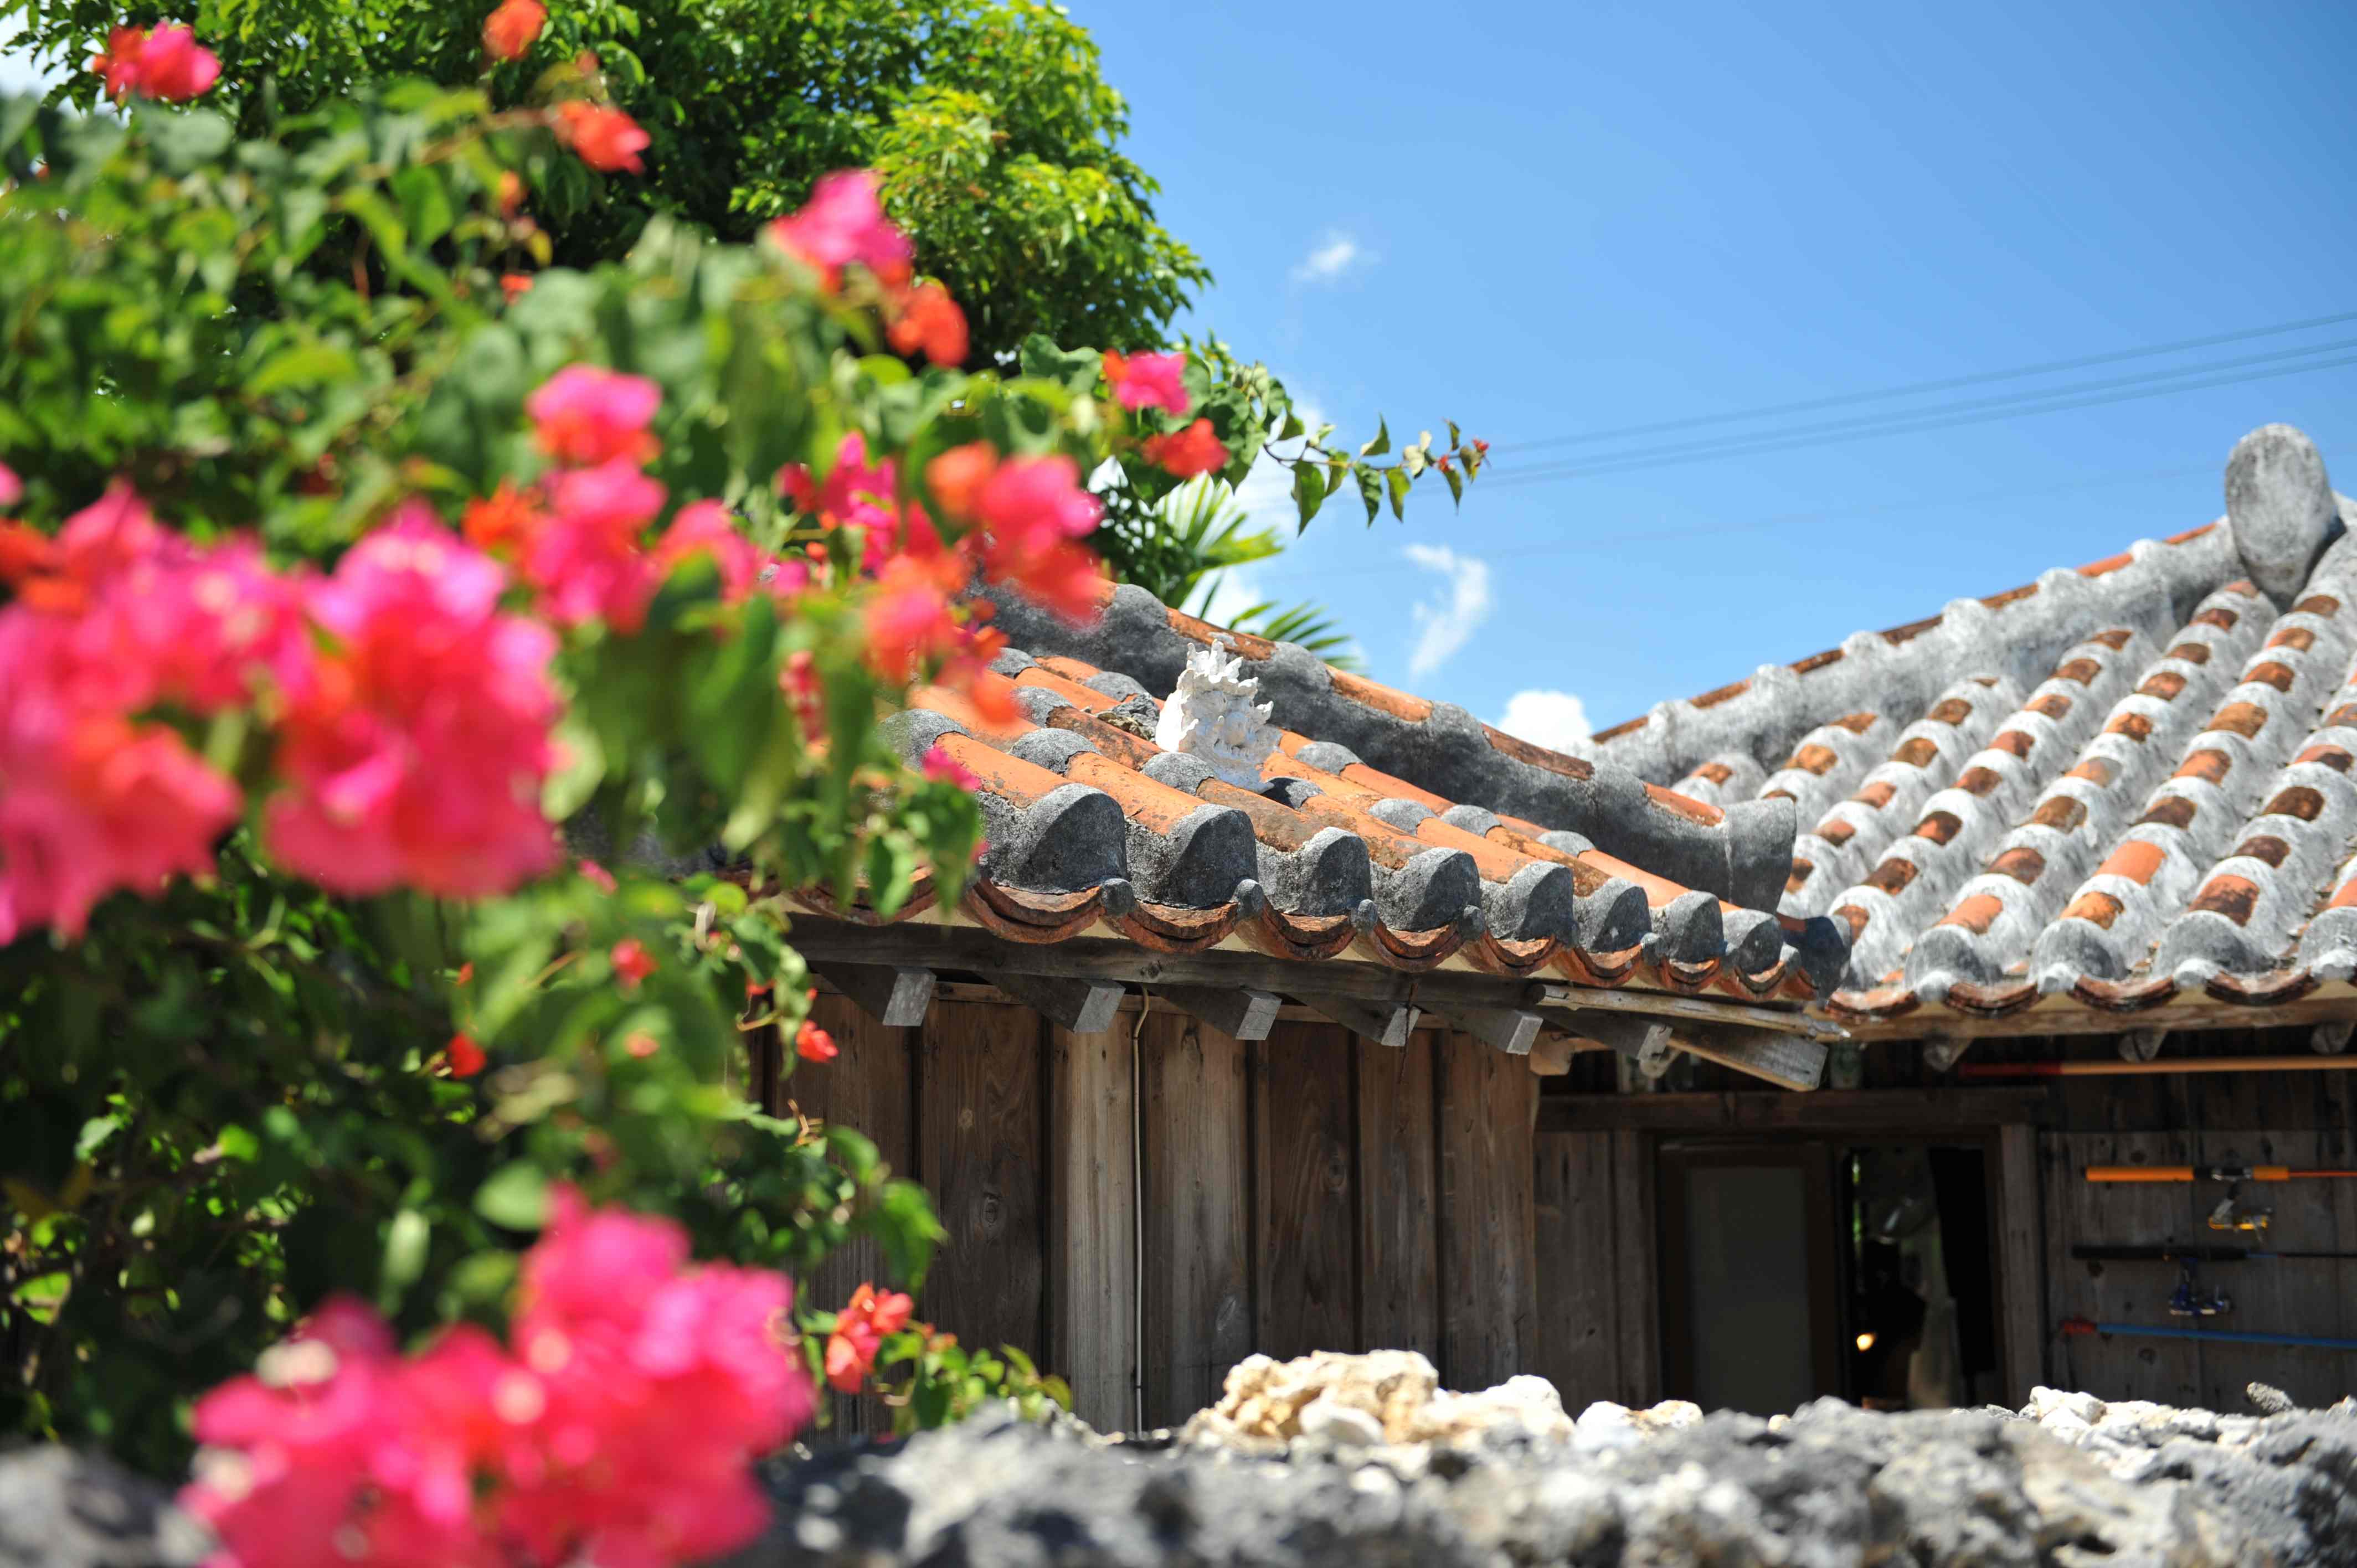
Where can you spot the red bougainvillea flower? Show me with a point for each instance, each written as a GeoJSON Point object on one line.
{"type": "Point", "coordinates": [166, 63]}
{"type": "Point", "coordinates": [1148, 380]}
{"type": "Point", "coordinates": [1192, 451]}
{"type": "Point", "coordinates": [415, 752]}
{"type": "Point", "coordinates": [590, 561]}
{"type": "Point", "coordinates": [957, 477]}
{"type": "Point", "coordinates": [509, 31]}
{"type": "Point", "coordinates": [941, 768]}
{"type": "Point", "coordinates": [860, 1329]}
{"type": "Point", "coordinates": [586, 414]}
{"type": "Point", "coordinates": [842, 223]}
{"type": "Point", "coordinates": [798, 680]}
{"type": "Point", "coordinates": [605, 139]}
{"type": "Point", "coordinates": [515, 285]}
{"type": "Point", "coordinates": [931, 320]}
{"type": "Point", "coordinates": [465, 1057]}
{"type": "Point", "coordinates": [813, 1043]}
{"type": "Point", "coordinates": [632, 963]}
{"type": "Point", "coordinates": [504, 522]}
{"type": "Point", "coordinates": [12, 488]}
{"type": "Point", "coordinates": [860, 495]}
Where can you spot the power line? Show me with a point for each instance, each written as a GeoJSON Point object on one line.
{"type": "Point", "coordinates": [1922, 420]}
{"type": "Point", "coordinates": [1912, 388]}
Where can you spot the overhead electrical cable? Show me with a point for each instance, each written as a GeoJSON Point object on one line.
{"type": "Point", "coordinates": [1913, 389]}
{"type": "Point", "coordinates": [1920, 422]}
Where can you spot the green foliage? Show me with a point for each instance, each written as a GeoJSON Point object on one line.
{"type": "Point", "coordinates": [944, 1381]}
{"type": "Point", "coordinates": [997, 137]}
{"type": "Point", "coordinates": [1198, 535]}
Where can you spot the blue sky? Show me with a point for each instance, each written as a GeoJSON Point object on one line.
{"type": "Point", "coordinates": [1541, 219]}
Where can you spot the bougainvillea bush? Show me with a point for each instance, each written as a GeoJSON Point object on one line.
{"type": "Point", "coordinates": [424, 674]}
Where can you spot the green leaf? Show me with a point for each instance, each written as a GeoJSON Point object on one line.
{"type": "Point", "coordinates": [187, 139]}
{"type": "Point", "coordinates": [303, 365]}
{"type": "Point", "coordinates": [1456, 483]}
{"type": "Point", "coordinates": [1371, 491]}
{"type": "Point", "coordinates": [515, 1198]}
{"type": "Point", "coordinates": [1455, 440]}
{"type": "Point", "coordinates": [404, 1255]}
{"type": "Point", "coordinates": [424, 202]}
{"type": "Point", "coordinates": [1397, 479]}
{"type": "Point", "coordinates": [1381, 443]}
{"type": "Point", "coordinates": [1308, 491]}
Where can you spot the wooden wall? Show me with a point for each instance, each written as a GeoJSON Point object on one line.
{"type": "Point", "coordinates": [1311, 1191]}
{"type": "Point", "coordinates": [1598, 1283]}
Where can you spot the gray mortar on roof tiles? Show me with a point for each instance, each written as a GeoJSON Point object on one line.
{"type": "Point", "coordinates": [1724, 779]}
{"type": "Point", "coordinates": [2143, 735]}
{"type": "Point", "coordinates": [1813, 793]}
{"type": "Point", "coordinates": [2190, 820]}
{"type": "Point", "coordinates": [2055, 719]}
{"type": "Point", "coordinates": [1825, 865]}
{"type": "Point", "coordinates": [2020, 640]}
{"type": "Point", "coordinates": [1744, 857]}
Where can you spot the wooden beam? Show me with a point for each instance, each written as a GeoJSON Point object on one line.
{"type": "Point", "coordinates": [1661, 1005]}
{"type": "Point", "coordinates": [1083, 1007]}
{"type": "Point", "coordinates": [1828, 1109]}
{"type": "Point", "coordinates": [1385, 1022]}
{"type": "Point", "coordinates": [2060, 1015]}
{"type": "Point", "coordinates": [1237, 1009]}
{"type": "Point", "coordinates": [1509, 1029]}
{"type": "Point", "coordinates": [926, 944]}
{"type": "Point", "coordinates": [893, 996]}
{"type": "Point", "coordinates": [1784, 1059]}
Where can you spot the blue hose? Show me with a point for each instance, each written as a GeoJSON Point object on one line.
{"type": "Point", "coordinates": [2230, 1336]}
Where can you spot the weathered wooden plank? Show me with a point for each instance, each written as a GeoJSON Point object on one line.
{"type": "Point", "coordinates": [980, 1150]}
{"type": "Point", "coordinates": [1197, 1259]}
{"type": "Point", "coordinates": [867, 1087]}
{"type": "Point", "coordinates": [1577, 1320]}
{"type": "Point", "coordinates": [2022, 1326]}
{"type": "Point", "coordinates": [1489, 1290]}
{"type": "Point", "coordinates": [1509, 1029]}
{"type": "Point", "coordinates": [1845, 1110]}
{"type": "Point", "coordinates": [2169, 1371]}
{"type": "Point", "coordinates": [1304, 1220]}
{"type": "Point", "coordinates": [1786, 1060]}
{"type": "Point", "coordinates": [1237, 1009]}
{"type": "Point", "coordinates": [1083, 1007]}
{"type": "Point", "coordinates": [1093, 1224]}
{"type": "Point", "coordinates": [2289, 1295]}
{"type": "Point", "coordinates": [893, 996]}
{"type": "Point", "coordinates": [1399, 1200]}
{"type": "Point", "coordinates": [1637, 1271]}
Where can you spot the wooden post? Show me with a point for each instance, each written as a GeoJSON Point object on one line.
{"type": "Point", "coordinates": [2020, 1261]}
{"type": "Point", "coordinates": [1198, 1166]}
{"type": "Point", "coordinates": [1304, 1220]}
{"type": "Point", "coordinates": [982, 1148]}
{"type": "Point", "coordinates": [1399, 1198]}
{"type": "Point", "coordinates": [1488, 1108]}
{"type": "Point", "coordinates": [1092, 1225]}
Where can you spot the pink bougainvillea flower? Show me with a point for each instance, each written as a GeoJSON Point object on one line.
{"type": "Point", "coordinates": [813, 1043]}
{"type": "Point", "coordinates": [631, 962]}
{"type": "Point", "coordinates": [929, 319]}
{"type": "Point", "coordinates": [1148, 380]}
{"type": "Point", "coordinates": [910, 622]}
{"type": "Point", "coordinates": [860, 1329]}
{"type": "Point", "coordinates": [166, 63]}
{"type": "Point", "coordinates": [586, 414]}
{"type": "Point", "coordinates": [605, 139]}
{"type": "Point", "coordinates": [414, 753]}
{"type": "Point", "coordinates": [707, 529]}
{"type": "Point", "coordinates": [503, 524]}
{"type": "Point", "coordinates": [174, 67]}
{"type": "Point", "coordinates": [798, 680]}
{"type": "Point", "coordinates": [859, 495]}
{"type": "Point", "coordinates": [842, 223]}
{"type": "Point", "coordinates": [618, 1427]}
{"type": "Point", "coordinates": [1032, 512]}
{"type": "Point", "coordinates": [941, 768]}
{"type": "Point", "coordinates": [1186, 453]}
{"type": "Point", "coordinates": [597, 875]}
{"type": "Point", "coordinates": [590, 561]}
{"type": "Point", "coordinates": [12, 488]}
{"type": "Point", "coordinates": [510, 29]}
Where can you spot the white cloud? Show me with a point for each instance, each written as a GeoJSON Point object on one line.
{"type": "Point", "coordinates": [1335, 255]}
{"type": "Point", "coordinates": [1553, 719]}
{"type": "Point", "coordinates": [1445, 622]}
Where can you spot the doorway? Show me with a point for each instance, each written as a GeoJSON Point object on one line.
{"type": "Point", "coordinates": [1798, 1267]}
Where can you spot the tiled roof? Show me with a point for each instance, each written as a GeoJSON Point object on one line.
{"type": "Point", "coordinates": [2119, 785]}
{"type": "Point", "coordinates": [1386, 829]}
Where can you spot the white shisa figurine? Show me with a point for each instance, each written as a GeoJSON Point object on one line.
{"type": "Point", "coordinates": [1212, 715]}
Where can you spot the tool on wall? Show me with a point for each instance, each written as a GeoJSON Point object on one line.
{"type": "Point", "coordinates": [2209, 1172]}
{"type": "Point", "coordinates": [2081, 1326]}
{"type": "Point", "coordinates": [2230, 1215]}
{"type": "Point", "coordinates": [2171, 1254]}
{"type": "Point", "coordinates": [2187, 1300]}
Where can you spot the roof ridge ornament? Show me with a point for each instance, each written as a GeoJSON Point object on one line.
{"type": "Point", "coordinates": [1212, 715]}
